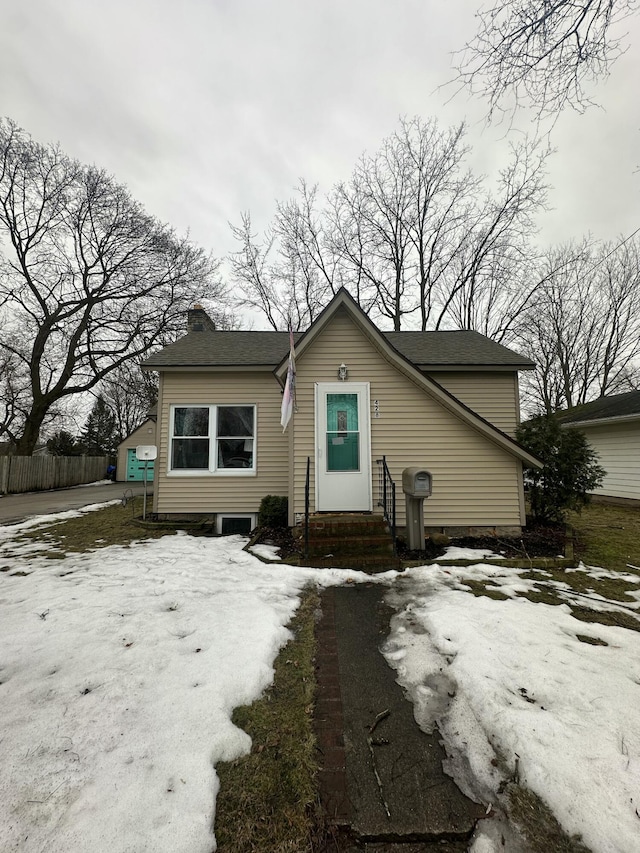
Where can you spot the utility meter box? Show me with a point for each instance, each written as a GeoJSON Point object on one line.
{"type": "Point", "coordinates": [416, 482]}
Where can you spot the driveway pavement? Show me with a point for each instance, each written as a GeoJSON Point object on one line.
{"type": "Point", "coordinates": [14, 508]}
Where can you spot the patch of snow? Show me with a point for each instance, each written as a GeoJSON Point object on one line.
{"type": "Point", "coordinates": [510, 679]}
{"type": "Point", "coordinates": [452, 552]}
{"type": "Point", "coordinates": [268, 552]}
{"type": "Point", "coordinates": [120, 670]}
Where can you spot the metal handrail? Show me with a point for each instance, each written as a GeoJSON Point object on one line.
{"type": "Point", "coordinates": [387, 497]}
{"type": "Point", "coordinates": [306, 508]}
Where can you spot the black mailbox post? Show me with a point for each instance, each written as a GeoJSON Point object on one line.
{"type": "Point", "coordinates": [416, 484]}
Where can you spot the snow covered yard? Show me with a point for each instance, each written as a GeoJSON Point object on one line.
{"type": "Point", "coordinates": [120, 669]}
{"type": "Point", "coordinates": [525, 691]}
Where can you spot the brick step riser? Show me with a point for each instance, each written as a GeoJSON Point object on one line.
{"type": "Point", "coordinates": [351, 547]}
{"type": "Point", "coordinates": [348, 536]}
{"type": "Point", "coordinates": [354, 528]}
{"type": "Point", "coordinates": [371, 564]}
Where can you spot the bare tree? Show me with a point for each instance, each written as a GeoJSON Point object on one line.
{"type": "Point", "coordinates": [253, 270]}
{"type": "Point", "coordinates": [544, 52]}
{"type": "Point", "coordinates": [428, 238]}
{"type": "Point", "coordinates": [371, 225]}
{"type": "Point", "coordinates": [131, 395]}
{"type": "Point", "coordinates": [487, 287]}
{"type": "Point", "coordinates": [88, 280]}
{"type": "Point", "coordinates": [441, 198]}
{"type": "Point", "coordinates": [12, 397]}
{"type": "Point", "coordinates": [289, 274]}
{"type": "Point", "coordinates": [583, 327]}
{"type": "Point", "coordinates": [413, 234]}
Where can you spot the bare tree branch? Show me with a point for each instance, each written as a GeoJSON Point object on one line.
{"type": "Point", "coordinates": [544, 53]}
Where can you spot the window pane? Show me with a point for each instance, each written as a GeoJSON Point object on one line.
{"type": "Point", "coordinates": [342, 451]}
{"type": "Point", "coordinates": [190, 453]}
{"type": "Point", "coordinates": [235, 420]}
{"type": "Point", "coordinates": [342, 412]}
{"type": "Point", "coordinates": [235, 453]}
{"type": "Point", "coordinates": [236, 525]}
{"type": "Point", "coordinates": [191, 421]}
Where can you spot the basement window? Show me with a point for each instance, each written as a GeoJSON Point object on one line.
{"type": "Point", "coordinates": [234, 523]}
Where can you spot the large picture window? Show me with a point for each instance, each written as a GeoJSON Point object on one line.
{"type": "Point", "coordinates": [213, 439]}
{"type": "Point", "coordinates": [234, 437]}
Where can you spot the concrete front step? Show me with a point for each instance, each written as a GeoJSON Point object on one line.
{"type": "Point", "coordinates": [351, 541]}
{"type": "Point", "coordinates": [347, 523]}
{"type": "Point", "coordinates": [349, 544]}
{"type": "Point", "coordinates": [364, 562]}
{"type": "Point", "coordinates": [339, 521]}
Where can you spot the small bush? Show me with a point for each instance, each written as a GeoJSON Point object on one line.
{"type": "Point", "coordinates": [274, 511]}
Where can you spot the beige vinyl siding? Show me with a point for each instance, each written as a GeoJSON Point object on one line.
{"type": "Point", "coordinates": [215, 493]}
{"type": "Point", "coordinates": [494, 396]}
{"type": "Point", "coordinates": [145, 434]}
{"type": "Point", "coordinates": [475, 483]}
{"type": "Point", "coordinates": [618, 449]}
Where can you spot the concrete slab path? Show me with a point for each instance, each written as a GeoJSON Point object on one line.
{"type": "Point", "coordinates": [382, 783]}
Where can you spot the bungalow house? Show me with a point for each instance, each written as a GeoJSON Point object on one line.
{"type": "Point", "coordinates": [612, 427]}
{"type": "Point", "coordinates": [446, 401]}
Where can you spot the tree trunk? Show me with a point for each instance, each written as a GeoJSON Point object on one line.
{"type": "Point", "coordinates": [26, 443]}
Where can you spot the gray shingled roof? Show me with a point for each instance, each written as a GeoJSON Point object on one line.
{"type": "Point", "coordinates": [616, 406]}
{"type": "Point", "coordinates": [459, 348]}
{"type": "Point", "coordinates": [267, 349]}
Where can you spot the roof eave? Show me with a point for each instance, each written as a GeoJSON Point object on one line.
{"type": "Point", "coordinates": [473, 368]}
{"type": "Point", "coordinates": [210, 368]}
{"type": "Point", "coordinates": [614, 419]}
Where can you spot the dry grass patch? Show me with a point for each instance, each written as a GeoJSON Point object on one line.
{"type": "Point", "coordinates": [113, 525]}
{"type": "Point", "coordinates": [607, 536]}
{"type": "Point", "coordinates": [614, 618]}
{"type": "Point", "coordinates": [481, 588]}
{"type": "Point", "coordinates": [538, 824]}
{"type": "Point", "coordinates": [267, 798]}
{"type": "Point", "coordinates": [615, 588]}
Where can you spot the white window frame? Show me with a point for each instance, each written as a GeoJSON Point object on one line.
{"type": "Point", "coordinates": [212, 469]}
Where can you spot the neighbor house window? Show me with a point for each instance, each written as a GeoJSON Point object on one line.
{"type": "Point", "coordinates": [213, 439]}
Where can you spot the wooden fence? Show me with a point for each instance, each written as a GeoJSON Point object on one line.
{"type": "Point", "coordinates": [37, 473]}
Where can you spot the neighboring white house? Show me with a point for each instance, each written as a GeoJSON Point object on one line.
{"type": "Point", "coordinates": [612, 427]}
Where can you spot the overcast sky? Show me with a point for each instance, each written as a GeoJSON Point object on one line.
{"type": "Point", "coordinates": [206, 108]}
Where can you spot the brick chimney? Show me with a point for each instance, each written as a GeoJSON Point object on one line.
{"type": "Point", "coordinates": [199, 321]}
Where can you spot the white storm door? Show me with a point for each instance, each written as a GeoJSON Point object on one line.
{"type": "Point", "coordinates": [343, 457]}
